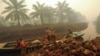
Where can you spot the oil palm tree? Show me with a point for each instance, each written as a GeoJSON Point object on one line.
{"type": "Point", "coordinates": [16, 11]}
{"type": "Point", "coordinates": [98, 25]}
{"type": "Point", "coordinates": [39, 11]}
{"type": "Point", "coordinates": [49, 14]}
{"type": "Point", "coordinates": [61, 10]}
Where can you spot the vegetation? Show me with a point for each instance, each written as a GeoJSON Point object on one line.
{"type": "Point", "coordinates": [61, 12]}
{"type": "Point", "coordinates": [60, 18]}
{"type": "Point", "coordinates": [2, 22]}
{"type": "Point", "coordinates": [98, 25]}
{"type": "Point", "coordinates": [16, 11]}
{"type": "Point", "coordinates": [39, 11]}
{"type": "Point", "coordinates": [45, 15]}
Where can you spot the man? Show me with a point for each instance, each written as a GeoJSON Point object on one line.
{"type": "Point", "coordinates": [23, 47]}
{"type": "Point", "coordinates": [50, 35]}
{"type": "Point", "coordinates": [69, 33]}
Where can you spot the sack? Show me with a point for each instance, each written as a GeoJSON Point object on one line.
{"type": "Point", "coordinates": [22, 44]}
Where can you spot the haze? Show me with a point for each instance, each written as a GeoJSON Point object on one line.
{"type": "Point", "coordinates": [89, 8]}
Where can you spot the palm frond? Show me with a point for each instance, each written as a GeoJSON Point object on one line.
{"type": "Point", "coordinates": [38, 4]}
{"type": "Point", "coordinates": [9, 7]}
{"type": "Point", "coordinates": [14, 2]}
{"type": "Point", "coordinates": [6, 11]}
{"type": "Point", "coordinates": [20, 2]}
{"type": "Point", "coordinates": [6, 2]}
{"type": "Point", "coordinates": [35, 7]}
{"type": "Point", "coordinates": [43, 5]}
{"type": "Point", "coordinates": [24, 10]}
{"type": "Point", "coordinates": [21, 6]}
{"type": "Point", "coordinates": [34, 14]}
{"type": "Point", "coordinates": [9, 15]}
{"type": "Point", "coordinates": [25, 15]}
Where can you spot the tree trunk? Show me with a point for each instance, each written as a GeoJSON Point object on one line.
{"type": "Point", "coordinates": [41, 17]}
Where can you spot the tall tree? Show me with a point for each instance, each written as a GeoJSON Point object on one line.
{"type": "Point", "coordinates": [70, 13]}
{"type": "Point", "coordinates": [16, 11]}
{"type": "Point", "coordinates": [49, 14]}
{"type": "Point", "coordinates": [39, 11]}
{"type": "Point", "coordinates": [61, 8]}
{"type": "Point", "coordinates": [98, 25]}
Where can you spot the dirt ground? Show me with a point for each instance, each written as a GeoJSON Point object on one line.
{"type": "Point", "coordinates": [34, 32]}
